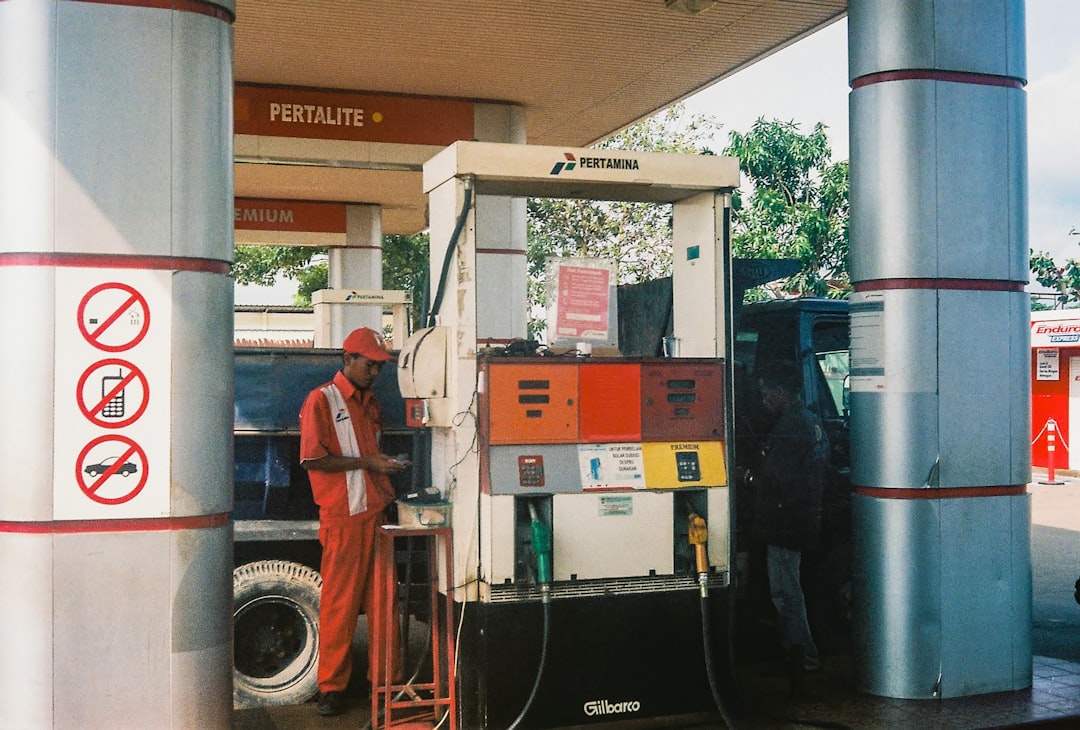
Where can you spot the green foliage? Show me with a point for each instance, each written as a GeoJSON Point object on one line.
{"type": "Point", "coordinates": [311, 280]}
{"type": "Point", "coordinates": [637, 236]}
{"type": "Point", "coordinates": [1063, 280]}
{"type": "Point", "coordinates": [404, 266]}
{"type": "Point", "coordinates": [798, 206]}
{"type": "Point", "coordinates": [261, 265]}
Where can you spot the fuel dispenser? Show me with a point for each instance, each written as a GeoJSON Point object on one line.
{"type": "Point", "coordinates": [589, 494]}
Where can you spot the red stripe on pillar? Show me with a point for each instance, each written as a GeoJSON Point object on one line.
{"type": "Point", "coordinates": [112, 261]}
{"type": "Point", "coordinates": [941, 492]}
{"type": "Point", "coordinates": [504, 251]}
{"type": "Point", "coordinates": [183, 6]}
{"type": "Point", "coordinates": [953, 284]}
{"type": "Point", "coordinates": [929, 74]}
{"type": "Point", "coordinates": [149, 524]}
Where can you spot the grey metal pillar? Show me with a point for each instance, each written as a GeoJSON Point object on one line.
{"type": "Point", "coordinates": [116, 323]}
{"type": "Point", "coordinates": [940, 357]}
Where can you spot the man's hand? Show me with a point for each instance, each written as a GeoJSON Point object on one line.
{"type": "Point", "coordinates": [384, 464]}
{"type": "Point", "coordinates": [380, 463]}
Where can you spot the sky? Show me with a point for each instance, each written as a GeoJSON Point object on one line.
{"type": "Point", "coordinates": [807, 83]}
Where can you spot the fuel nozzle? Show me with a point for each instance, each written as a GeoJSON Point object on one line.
{"type": "Point", "coordinates": [541, 544]}
{"type": "Point", "coordinates": [699, 535]}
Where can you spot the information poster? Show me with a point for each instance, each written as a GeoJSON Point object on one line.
{"type": "Point", "coordinates": [1047, 365]}
{"type": "Point", "coordinates": [611, 466]}
{"type": "Point", "coordinates": [581, 301]}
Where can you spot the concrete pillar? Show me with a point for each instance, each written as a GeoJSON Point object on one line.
{"type": "Point", "coordinates": [483, 302]}
{"type": "Point", "coordinates": [357, 266]}
{"type": "Point", "coordinates": [940, 356]}
{"type": "Point", "coordinates": [116, 319]}
{"type": "Point", "coordinates": [499, 229]}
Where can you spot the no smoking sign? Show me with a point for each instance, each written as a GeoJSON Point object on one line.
{"type": "Point", "coordinates": [114, 316]}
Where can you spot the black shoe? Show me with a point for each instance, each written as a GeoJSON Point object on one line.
{"type": "Point", "coordinates": [796, 670]}
{"type": "Point", "coordinates": [330, 704]}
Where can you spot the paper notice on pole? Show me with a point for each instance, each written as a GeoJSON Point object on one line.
{"type": "Point", "coordinates": [582, 305]}
{"type": "Point", "coordinates": [1047, 365]}
{"type": "Point", "coordinates": [867, 342]}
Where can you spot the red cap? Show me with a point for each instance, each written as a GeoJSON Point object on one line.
{"type": "Point", "coordinates": [368, 343]}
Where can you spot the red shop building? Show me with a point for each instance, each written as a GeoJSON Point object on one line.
{"type": "Point", "coordinates": [1055, 388]}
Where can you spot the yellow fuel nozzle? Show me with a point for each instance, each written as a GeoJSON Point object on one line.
{"type": "Point", "coordinates": [699, 535]}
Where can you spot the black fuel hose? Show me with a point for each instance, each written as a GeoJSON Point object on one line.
{"type": "Point", "coordinates": [706, 637]}
{"type": "Point", "coordinates": [449, 257]}
{"type": "Point", "coordinates": [546, 599]}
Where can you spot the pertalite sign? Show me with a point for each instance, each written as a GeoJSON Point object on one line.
{"type": "Point", "coordinates": [278, 111]}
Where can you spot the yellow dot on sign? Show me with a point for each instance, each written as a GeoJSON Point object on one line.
{"type": "Point", "coordinates": [376, 117]}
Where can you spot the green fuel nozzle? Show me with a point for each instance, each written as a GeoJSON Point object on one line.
{"type": "Point", "coordinates": [541, 544]}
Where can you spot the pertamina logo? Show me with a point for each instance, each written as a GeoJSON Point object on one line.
{"type": "Point", "coordinates": [569, 165]}
{"type": "Point", "coordinates": [599, 163]}
{"type": "Point", "coordinates": [606, 707]}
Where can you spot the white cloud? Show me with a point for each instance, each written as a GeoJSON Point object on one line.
{"type": "Point", "coordinates": [1054, 159]}
{"type": "Point", "coordinates": [805, 83]}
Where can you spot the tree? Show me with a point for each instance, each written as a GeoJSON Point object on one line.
{"type": "Point", "coordinates": [261, 265]}
{"type": "Point", "coordinates": [404, 267]}
{"type": "Point", "coordinates": [637, 236]}
{"type": "Point", "coordinates": [1063, 280]}
{"type": "Point", "coordinates": [797, 207]}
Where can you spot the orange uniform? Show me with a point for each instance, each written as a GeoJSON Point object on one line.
{"type": "Point", "coordinates": [346, 534]}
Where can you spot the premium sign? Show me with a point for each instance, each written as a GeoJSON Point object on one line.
{"type": "Point", "coordinates": [255, 214]}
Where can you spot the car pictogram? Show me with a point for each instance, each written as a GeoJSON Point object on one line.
{"type": "Point", "coordinates": [105, 464]}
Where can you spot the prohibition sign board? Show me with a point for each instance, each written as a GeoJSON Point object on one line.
{"type": "Point", "coordinates": [100, 477]}
{"type": "Point", "coordinates": [110, 397]}
{"type": "Point", "coordinates": [114, 341]}
{"type": "Point", "coordinates": [114, 317]}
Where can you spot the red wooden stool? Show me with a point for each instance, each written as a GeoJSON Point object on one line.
{"type": "Point", "coordinates": [387, 695]}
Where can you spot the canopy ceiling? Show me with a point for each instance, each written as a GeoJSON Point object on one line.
{"type": "Point", "coordinates": [579, 70]}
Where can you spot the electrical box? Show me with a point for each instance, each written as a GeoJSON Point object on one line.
{"type": "Point", "coordinates": [532, 403]}
{"type": "Point", "coordinates": [682, 400]}
{"type": "Point", "coordinates": [610, 402]}
{"type": "Point", "coordinates": [422, 364]}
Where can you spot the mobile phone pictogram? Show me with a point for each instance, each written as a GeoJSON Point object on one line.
{"type": "Point", "coordinates": [114, 408]}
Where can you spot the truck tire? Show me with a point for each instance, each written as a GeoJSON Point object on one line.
{"type": "Point", "coordinates": [275, 633]}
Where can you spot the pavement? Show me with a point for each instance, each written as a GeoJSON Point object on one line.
{"type": "Point", "coordinates": [829, 699]}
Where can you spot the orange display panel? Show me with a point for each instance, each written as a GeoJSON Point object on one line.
{"type": "Point", "coordinates": [610, 402]}
{"type": "Point", "coordinates": [533, 403]}
{"type": "Point", "coordinates": [682, 399]}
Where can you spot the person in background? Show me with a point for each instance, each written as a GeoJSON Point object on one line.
{"type": "Point", "coordinates": [789, 483]}
{"type": "Point", "coordinates": [340, 431]}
